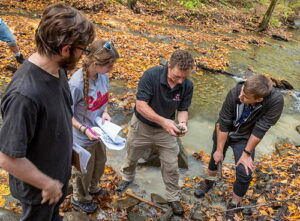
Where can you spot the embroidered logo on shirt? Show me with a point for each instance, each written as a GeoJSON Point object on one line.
{"type": "Point", "coordinates": [177, 97]}
{"type": "Point", "coordinates": [94, 105]}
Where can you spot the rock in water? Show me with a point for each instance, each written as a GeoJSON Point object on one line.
{"type": "Point", "coordinates": [279, 37]}
{"type": "Point", "coordinates": [298, 128]}
{"type": "Point", "coordinates": [167, 215]}
{"type": "Point", "coordinates": [133, 216]}
{"type": "Point", "coordinates": [76, 216]}
{"type": "Point", "coordinates": [6, 215]}
{"type": "Point", "coordinates": [151, 157]}
{"type": "Point", "coordinates": [126, 202]}
{"type": "Point", "coordinates": [158, 199]}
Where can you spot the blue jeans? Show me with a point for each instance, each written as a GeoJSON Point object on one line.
{"type": "Point", "coordinates": [243, 180]}
{"type": "Point", "coordinates": [6, 35]}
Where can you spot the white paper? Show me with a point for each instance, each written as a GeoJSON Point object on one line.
{"type": "Point", "coordinates": [111, 129]}
{"type": "Point", "coordinates": [84, 157]}
{"type": "Point", "coordinates": [108, 133]}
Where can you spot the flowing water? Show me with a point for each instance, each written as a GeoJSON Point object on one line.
{"type": "Point", "coordinates": [279, 59]}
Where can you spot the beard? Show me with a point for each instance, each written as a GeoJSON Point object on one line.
{"type": "Point", "coordinates": [70, 62]}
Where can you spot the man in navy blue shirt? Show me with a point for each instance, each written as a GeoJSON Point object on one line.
{"type": "Point", "coordinates": [164, 94]}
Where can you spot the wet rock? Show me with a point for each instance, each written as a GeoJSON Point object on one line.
{"type": "Point", "coordinates": [182, 157]}
{"type": "Point", "coordinates": [167, 215]}
{"type": "Point", "coordinates": [69, 189]}
{"type": "Point", "coordinates": [287, 85]}
{"type": "Point", "coordinates": [282, 84]}
{"type": "Point", "coordinates": [198, 215]}
{"type": "Point", "coordinates": [134, 216]}
{"type": "Point", "coordinates": [294, 21]}
{"type": "Point", "coordinates": [76, 216]}
{"type": "Point", "coordinates": [188, 195]}
{"type": "Point", "coordinates": [151, 157]}
{"type": "Point", "coordinates": [125, 203]}
{"type": "Point", "coordinates": [248, 211]}
{"type": "Point", "coordinates": [298, 128]}
{"type": "Point", "coordinates": [6, 215]}
{"type": "Point", "coordinates": [176, 218]}
{"type": "Point", "coordinates": [226, 39]}
{"type": "Point", "coordinates": [260, 186]}
{"type": "Point", "coordinates": [262, 218]}
{"type": "Point", "coordinates": [253, 42]}
{"type": "Point", "coordinates": [101, 216]}
{"type": "Point", "coordinates": [279, 38]}
{"type": "Point", "coordinates": [162, 38]}
{"type": "Point", "coordinates": [158, 199]}
{"type": "Point", "coordinates": [294, 168]}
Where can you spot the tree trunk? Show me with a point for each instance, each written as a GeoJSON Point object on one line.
{"type": "Point", "coordinates": [131, 4]}
{"type": "Point", "coordinates": [265, 22]}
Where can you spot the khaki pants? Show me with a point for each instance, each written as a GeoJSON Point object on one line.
{"type": "Point", "coordinates": [84, 184]}
{"type": "Point", "coordinates": [141, 137]}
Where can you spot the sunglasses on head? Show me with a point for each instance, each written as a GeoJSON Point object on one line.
{"type": "Point", "coordinates": [108, 45]}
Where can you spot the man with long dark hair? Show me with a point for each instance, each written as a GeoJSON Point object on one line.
{"type": "Point", "coordinates": [36, 137]}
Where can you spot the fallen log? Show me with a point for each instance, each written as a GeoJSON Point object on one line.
{"type": "Point", "coordinates": [279, 38]}
{"type": "Point", "coordinates": [278, 83]}
{"type": "Point", "coordinates": [203, 67]}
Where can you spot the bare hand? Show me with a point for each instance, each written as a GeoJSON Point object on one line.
{"type": "Point", "coordinates": [185, 129]}
{"type": "Point", "coordinates": [52, 192]}
{"type": "Point", "coordinates": [105, 116]}
{"type": "Point", "coordinates": [247, 162]}
{"type": "Point", "coordinates": [92, 135]}
{"type": "Point", "coordinates": [170, 127]}
{"type": "Point", "coordinates": [218, 157]}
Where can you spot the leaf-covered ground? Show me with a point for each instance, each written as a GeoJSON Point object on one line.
{"type": "Point", "coordinates": [143, 40]}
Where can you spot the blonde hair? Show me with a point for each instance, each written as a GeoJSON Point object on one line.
{"type": "Point", "coordinates": [99, 55]}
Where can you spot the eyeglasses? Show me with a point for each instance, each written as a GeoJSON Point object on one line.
{"type": "Point", "coordinates": [108, 45]}
{"type": "Point", "coordinates": [86, 50]}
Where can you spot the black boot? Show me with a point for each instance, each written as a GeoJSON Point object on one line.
{"type": "Point", "coordinates": [87, 207]}
{"type": "Point", "coordinates": [177, 208]}
{"type": "Point", "coordinates": [123, 186]}
{"type": "Point", "coordinates": [203, 187]}
{"type": "Point", "coordinates": [100, 193]}
{"type": "Point", "coordinates": [230, 214]}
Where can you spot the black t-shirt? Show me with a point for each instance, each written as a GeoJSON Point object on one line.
{"type": "Point", "coordinates": [36, 110]}
{"type": "Point", "coordinates": [154, 89]}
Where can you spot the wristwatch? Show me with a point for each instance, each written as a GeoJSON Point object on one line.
{"type": "Point", "coordinates": [247, 152]}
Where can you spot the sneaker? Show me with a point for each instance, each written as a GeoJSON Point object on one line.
{"type": "Point", "coordinates": [177, 208]}
{"type": "Point", "coordinates": [20, 59]}
{"type": "Point", "coordinates": [123, 186]}
{"type": "Point", "coordinates": [230, 214]}
{"type": "Point", "coordinates": [89, 207]}
{"type": "Point", "coordinates": [204, 187]}
{"type": "Point", "coordinates": [100, 192]}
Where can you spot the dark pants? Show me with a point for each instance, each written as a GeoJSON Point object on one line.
{"type": "Point", "coordinates": [43, 212]}
{"type": "Point", "coordinates": [243, 180]}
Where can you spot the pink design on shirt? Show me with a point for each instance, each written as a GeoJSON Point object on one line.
{"type": "Point", "coordinates": [94, 105]}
